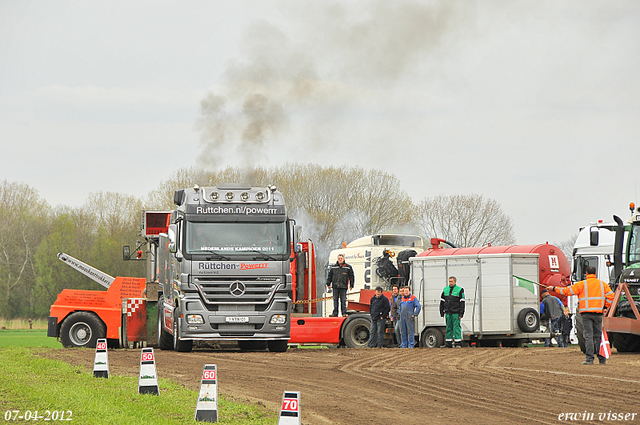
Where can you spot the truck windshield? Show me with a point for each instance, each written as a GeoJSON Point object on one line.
{"type": "Point", "coordinates": [634, 245]}
{"type": "Point", "coordinates": [235, 238]}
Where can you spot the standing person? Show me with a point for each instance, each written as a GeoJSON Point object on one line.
{"type": "Point", "coordinates": [551, 309]}
{"type": "Point", "coordinates": [565, 324]}
{"type": "Point", "coordinates": [409, 309]}
{"type": "Point", "coordinates": [594, 298]}
{"type": "Point", "coordinates": [340, 278]}
{"type": "Point", "coordinates": [452, 309]}
{"type": "Point", "coordinates": [379, 309]}
{"type": "Point", "coordinates": [396, 299]}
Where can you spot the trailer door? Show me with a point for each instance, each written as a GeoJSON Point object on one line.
{"type": "Point", "coordinates": [495, 294]}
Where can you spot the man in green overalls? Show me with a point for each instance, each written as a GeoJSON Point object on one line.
{"type": "Point", "coordinates": [452, 308]}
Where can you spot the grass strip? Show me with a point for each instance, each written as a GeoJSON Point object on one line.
{"type": "Point", "coordinates": [30, 382]}
{"type": "Point", "coordinates": [27, 338]}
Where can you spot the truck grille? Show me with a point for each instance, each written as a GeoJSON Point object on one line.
{"type": "Point", "coordinates": [229, 290]}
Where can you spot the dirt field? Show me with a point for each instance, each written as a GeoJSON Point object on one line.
{"type": "Point", "coordinates": [403, 386]}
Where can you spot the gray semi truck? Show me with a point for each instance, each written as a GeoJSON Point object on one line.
{"type": "Point", "coordinates": [221, 260]}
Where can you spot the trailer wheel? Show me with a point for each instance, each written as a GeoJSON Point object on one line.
{"type": "Point", "coordinates": [431, 338]}
{"type": "Point", "coordinates": [528, 320]}
{"type": "Point", "coordinates": [179, 345]}
{"type": "Point", "coordinates": [356, 333]}
{"type": "Point", "coordinates": [164, 338]}
{"type": "Point", "coordinates": [580, 333]}
{"type": "Point", "coordinates": [82, 329]}
{"type": "Point", "coordinates": [252, 345]}
{"type": "Point", "coordinates": [278, 346]}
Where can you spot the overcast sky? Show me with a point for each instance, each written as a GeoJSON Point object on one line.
{"type": "Point", "coordinates": [533, 104]}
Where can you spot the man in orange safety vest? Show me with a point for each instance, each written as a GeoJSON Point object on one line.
{"type": "Point", "coordinates": [594, 298]}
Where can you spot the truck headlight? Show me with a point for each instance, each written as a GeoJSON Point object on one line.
{"type": "Point", "coordinates": [195, 319]}
{"type": "Point", "coordinates": [278, 319]}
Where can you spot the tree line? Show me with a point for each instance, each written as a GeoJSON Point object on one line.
{"type": "Point", "coordinates": [333, 204]}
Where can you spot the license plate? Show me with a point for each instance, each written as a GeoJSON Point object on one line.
{"type": "Point", "coordinates": [239, 319]}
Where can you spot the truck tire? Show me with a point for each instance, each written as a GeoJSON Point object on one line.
{"type": "Point", "coordinates": [82, 329]}
{"type": "Point", "coordinates": [528, 320]}
{"type": "Point", "coordinates": [580, 332]}
{"type": "Point", "coordinates": [431, 338]}
{"type": "Point", "coordinates": [179, 345]}
{"type": "Point", "coordinates": [252, 345]}
{"type": "Point", "coordinates": [165, 341]}
{"type": "Point", "coordinates": [278, 346]}
{"type": "Point", "coordinates": [356, 333]}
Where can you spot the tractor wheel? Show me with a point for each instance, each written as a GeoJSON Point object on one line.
{"type": "Point", "coordinates": [625, 343]}
{"type": "Point", "coordinates": [82, 329]}
{"type": "Point", "coordinates": [356, 333]}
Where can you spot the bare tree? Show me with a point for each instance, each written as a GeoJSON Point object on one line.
{"type": "Point", "coordinates": [464, 220]}
{"type": "Point", "coordinates": [340, 203]}
{"type": "Point", "coordinates": [566, 246]}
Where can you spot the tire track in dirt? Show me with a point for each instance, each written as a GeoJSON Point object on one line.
{"type": "Point", "coordinates": [492, 402]}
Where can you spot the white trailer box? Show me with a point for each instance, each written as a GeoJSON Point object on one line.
{"type": "Point", "coordinates": [502, 305]}
{"type": "Point", "coordinates": [362, 254]}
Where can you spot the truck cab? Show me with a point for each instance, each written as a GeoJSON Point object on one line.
{"type": "Point", "coordinates": [223, 268]}
{"type": "Point", "coordinates": [594, 247]}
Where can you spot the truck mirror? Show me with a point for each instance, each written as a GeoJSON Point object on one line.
{"type": "Point", "coordinates": [126, 253]}
{"type": "Point", "coordinates": [173, 243]}
{"type": "Point", "coordinates": [297, 233]}
{"type": "Point", "coordinates": [594, 236]}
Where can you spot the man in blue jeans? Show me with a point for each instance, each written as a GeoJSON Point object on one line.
{"type": "Point", "coordinates": [409, 309]}
{"type": "Point", "coordinates": [379, 309]}
{"type": "Point", "coordinates": [551, 309]}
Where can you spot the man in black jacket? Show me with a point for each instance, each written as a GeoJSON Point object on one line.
{"type": "Point", "coordinates": [379, 309]}
{"type": "Point", "coordinates": [340, 278]}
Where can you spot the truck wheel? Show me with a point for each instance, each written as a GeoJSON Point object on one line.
{"type": "Point", "coordinates": [580, 332]}
{"type": "Point", "coordinates": [528, 320]}
{"type": "Point", "coordinates": [278, 346]}
{"type": "Point", "coordinates": [178, 345]}
{"type": "Point", "coordinates": [252, 345]}
{"type": "Point", "coordinates": [164, 338]}
{"type": "Point", "coordinates": [82, 329]}
{"type": "Point", "coordinates": [356, 333]}
{"type": "Point", "coordinates": [431, 338]}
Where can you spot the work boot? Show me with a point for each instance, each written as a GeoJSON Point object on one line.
{"type": "Point", "coordinates": [603, 361]}
{"type": "Point", "coordinates": [587, 362]}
